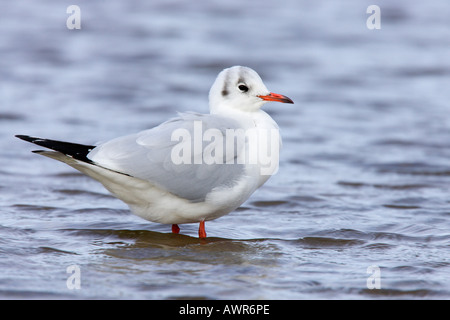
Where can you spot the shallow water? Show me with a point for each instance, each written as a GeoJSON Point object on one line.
{"type": "Point", "coordinates": [364, 178]}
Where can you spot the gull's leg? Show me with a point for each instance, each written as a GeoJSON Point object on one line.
{"type": "Point", "coordinates": [175, 228]}
{"type": "Point", "coordinates": [201, 230]}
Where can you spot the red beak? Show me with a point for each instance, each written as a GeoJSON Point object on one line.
{"type": "Point", "coordinates": [276, 97]}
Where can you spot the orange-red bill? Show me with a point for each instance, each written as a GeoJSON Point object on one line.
{"type": "Point", "coordinates": [276, 97]}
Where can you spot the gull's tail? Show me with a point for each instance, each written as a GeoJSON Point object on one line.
{"type": "Point", "coordinates": [73, 150]}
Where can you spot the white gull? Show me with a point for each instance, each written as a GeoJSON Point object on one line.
{"type": "Point", "coordinates": [171, 175]}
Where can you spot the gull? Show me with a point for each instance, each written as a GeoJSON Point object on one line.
{"type": "Point", "coordinates": [194, 167]}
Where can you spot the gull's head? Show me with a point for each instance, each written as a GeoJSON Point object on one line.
{"type": "Point", "coordinates": [241, 88]}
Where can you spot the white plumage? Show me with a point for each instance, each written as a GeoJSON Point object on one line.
{"type": "Point", "coordinates": [140, 169]}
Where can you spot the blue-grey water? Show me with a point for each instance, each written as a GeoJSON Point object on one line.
{"type": "Point", "coordinates": [359, 209]}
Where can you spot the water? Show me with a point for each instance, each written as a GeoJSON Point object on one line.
{"type": "Point", "coordinates": [364, 177]}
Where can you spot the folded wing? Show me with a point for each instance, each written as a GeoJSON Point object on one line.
{"type": "Point", "coordinates": [154, 155]}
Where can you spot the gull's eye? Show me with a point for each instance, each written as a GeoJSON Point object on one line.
{"type": "Point", "coordinates": [242, 87]}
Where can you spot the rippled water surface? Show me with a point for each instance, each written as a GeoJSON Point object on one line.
{"type": "Point", "coordinates": [364, 178]}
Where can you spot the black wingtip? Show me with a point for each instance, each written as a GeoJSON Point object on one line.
{"type": "Point", "coordinates": [35, 140]}
{"type": "Point", "coordinates": [74, 150]}
{"type": "Point", "coordinates": [26, 138]}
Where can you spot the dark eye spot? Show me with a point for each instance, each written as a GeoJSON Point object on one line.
{"type": "Point", "coordinates": [243, 87]}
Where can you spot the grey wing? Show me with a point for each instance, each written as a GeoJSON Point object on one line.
{"type": "Point", "coordinates": [175, 157]}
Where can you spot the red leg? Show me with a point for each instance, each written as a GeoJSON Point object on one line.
{"type": "Point", "coordinates": [175, 228]}
{"type": "Point", "coordinates": [201, 230]}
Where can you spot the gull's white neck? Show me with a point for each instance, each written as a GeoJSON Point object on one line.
{"type": "Point", "coordinates": [248, 119]}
